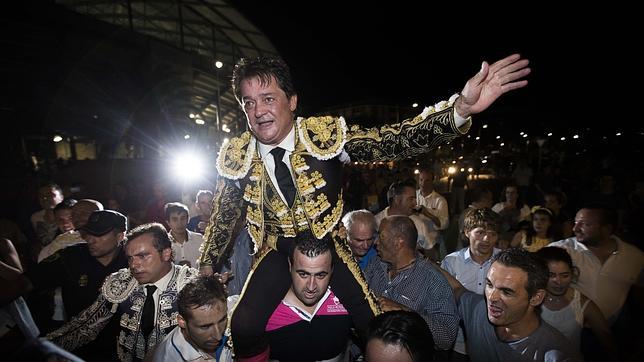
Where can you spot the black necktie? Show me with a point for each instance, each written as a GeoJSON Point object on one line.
{"type": "Point", "coordinates": [283, 175]}
{"type": "Point", "coordinates": [147, 315]}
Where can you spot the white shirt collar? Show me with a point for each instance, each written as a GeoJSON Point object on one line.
{"type": "Point", "coordinates": [288, 143]}
{"type": "Point", "coordinates": [162, 284]}
{"type": "Point", "coordinates": [187, 351]}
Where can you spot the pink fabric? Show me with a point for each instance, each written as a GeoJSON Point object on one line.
{"type": "Point", "coordinates": [284, 316]}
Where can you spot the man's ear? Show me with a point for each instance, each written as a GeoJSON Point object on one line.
{"type": "Point", "coordinates": [537, 298]}
{"type": "Point", "coordinates": [292, 102]}
{"type": "Point", "coordinates": [181, 321]}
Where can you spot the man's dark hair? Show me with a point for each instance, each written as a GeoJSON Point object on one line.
{"type": "Point", "coordinates": [265, 68]}
{"type": "Point", "coordinates": [405, 329]}
{"type": "Point", "coordinates": [401, 226]}
{"type": "Point", "coordinates": [66, 204]}
{"type": "Point", "coordinates": [200, 291]}
{"type": "Point", "coordinates": [173, 207]}
{"type": "Point", "coordinates": [428, 170]}
{"type": "Point", "coordinates": [607, 214]}
{"type": "Point", "coordinates": [50, 185]}
{"type": "Point", "coordinates": [310, 246]}
{"type": "Point", "coordinates": [397, 188]}
{"type": "Point", "coordinates": [158, 232]}
{"type": "Point", "coordinates": [528, 262]}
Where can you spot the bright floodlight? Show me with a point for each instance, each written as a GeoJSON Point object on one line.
{"type": "Point", "coordinates": [219, 64]}
{"type": "Point", "coordinates": [451, 170]}
{"type": "Point", "coordinates": [57, 138]}
{"type": "Point", "coordinates": [188, 166]}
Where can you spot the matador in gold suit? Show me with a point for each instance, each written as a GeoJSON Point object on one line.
{"type": "Point", "coordinates": [316, 148]}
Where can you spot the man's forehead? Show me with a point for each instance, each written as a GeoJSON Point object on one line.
{"type": "Point", "coordinates": [315, 264]}
{"type": "Point", "coordinates": [507, 276]}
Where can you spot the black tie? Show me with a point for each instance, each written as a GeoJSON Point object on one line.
{"type": "Point", "coordinates": [283, 175]}
{"type": "Point", "coordinates": [147, 315]}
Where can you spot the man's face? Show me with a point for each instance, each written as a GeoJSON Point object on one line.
{"type": "Point", "coordinates": [268, 110]}
{"type": "Point", "coordinates": [64, 220]}
{"type": "Point", "coordinates": [385, 243]}
{"type": "Point", "coordinates": [426, 181]}
{"type": "Point", "coordinates": [361, 237]}
{"type": "Point", "coordinates": [205, 326]}
{"type": "Point", "coordinates": [559, 277]}
{"type": "Point", "coordinates": [310, 276]}
{"type": "Point", "coordinates": [178, 221]}
{"type": "Point", "coordinates": [508, 303]}
{"type": "Point", "coordinates": [379, 351]}
{"type": "Point", "coordinates": [511, 194]}
{"type": "Point", "coordinates": [406, 201]}
{"type": "Point", "coordinates": [588, 228]}
{"type": "Point", "coordinates": [49, 197]}
{"type": "Point", "coordinates": [204, 204]}
{"type": "Point", "coordinates": [146, 263]}
{"type": "Point", "coordinates": [482, 240]}
{"type": "Point", "coordinates": [103, 245]}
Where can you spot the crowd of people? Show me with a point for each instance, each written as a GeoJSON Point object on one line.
{"type": "Point", "coordinates": [285, 260]}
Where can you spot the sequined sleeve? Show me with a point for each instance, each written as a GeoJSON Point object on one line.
{"type": "Point", "coordinates": [409, 138]}
{"type": "Point", "coordinates": [84, 327]}
{"type": "Point", "coordinates": [226, 211]}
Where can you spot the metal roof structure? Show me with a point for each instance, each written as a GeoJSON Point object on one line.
{"type": "Point", "coordinates": [210, 30]}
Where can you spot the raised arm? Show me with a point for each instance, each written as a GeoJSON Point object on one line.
{"type": "Point", "coordinates": [490, 83]}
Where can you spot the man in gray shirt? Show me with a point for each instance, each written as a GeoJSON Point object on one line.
{"type": "Point", "coordinates": [504, 325]}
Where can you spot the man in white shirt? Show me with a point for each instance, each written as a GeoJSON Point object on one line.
{"type": "Point", "coordinates": [402, 201]}
{"type": "Point", "coordinates": [185, 243]}
{"type": "Point", "coordinates": [202, 318]}
{"type": "Point", "coordinates": [608, 267]}
{"type": "Point", "coordinates": [432, 206]}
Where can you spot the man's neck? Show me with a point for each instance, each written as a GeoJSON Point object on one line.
{"type": "Point", "coordinates": [480, 258]}
{"type": "Point", "coordinates": [404, 260]}
{"type": "Point", "coordinates": [105, 260]}
{"type": "Point", "coordinates": [179, 236]}
{"type": "Point", "coordinates": [395, 210]}
{"type": "Point", "coordinates": [291, 298]}
{"type": "Point", "coordinates": [520, 329]}
{"type": "Point", "coordinates": [426, 193]}
{"type": "Point", "coordinates": [186, 336]}
{"type": "Point", "coordinates": [604, 249]}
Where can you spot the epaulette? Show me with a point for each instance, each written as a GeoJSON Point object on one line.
{"type": "Point", "coordinates": [323, 137]}
{"type": "Point", "coordinates": [184, 275]}
{"type": "Point", "coordinates": [235, 156]}
{"type": "Point", "coordinates": [118, 286]}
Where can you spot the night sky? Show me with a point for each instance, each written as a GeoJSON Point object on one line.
{"type": "Point", "coordinates": [399, 53]}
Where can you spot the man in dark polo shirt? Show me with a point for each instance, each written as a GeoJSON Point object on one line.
{"type": "Point", "coordinates": [79, 269]}
{"type": "Point", "coordinates": [310, 324]}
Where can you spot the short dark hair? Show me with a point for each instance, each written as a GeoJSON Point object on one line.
{"type": "Point", "coordinates": [160, 235]}
{"type": "Point", "coordinates": [310, 246]}
{"type": "Point", "coordinates": [66, 204]}
{"type": "Point", "coordinates": [397, 188]}
{"type": "Point", "coordinates": [265, 68]}
{"type": "Point", "coordinates": [174, 207]}
{"type": "Point", "coordinates": [405, 329]}
{"type": "Point", "coordinates": [401, 226]}
{"type": "Point", "coordinates": [529, 263]}
{"type": "Point", "coordinates": [199, 291]}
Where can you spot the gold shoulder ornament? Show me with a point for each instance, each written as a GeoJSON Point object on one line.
{"type": "Point", "coordinates": [235, 156]}
{"type": "Point", "coordinates": [323, 137]}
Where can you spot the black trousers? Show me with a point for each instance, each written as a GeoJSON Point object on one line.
{"type": "Point", "coordinates": [267, 286]}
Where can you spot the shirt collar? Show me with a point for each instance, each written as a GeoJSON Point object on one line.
{"type": "Point", "coordinates": [468, 256]}
{"type": "Point", "coordinates": [187, 351]}
{"type": "Point", "coordinates": [288, 143]}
